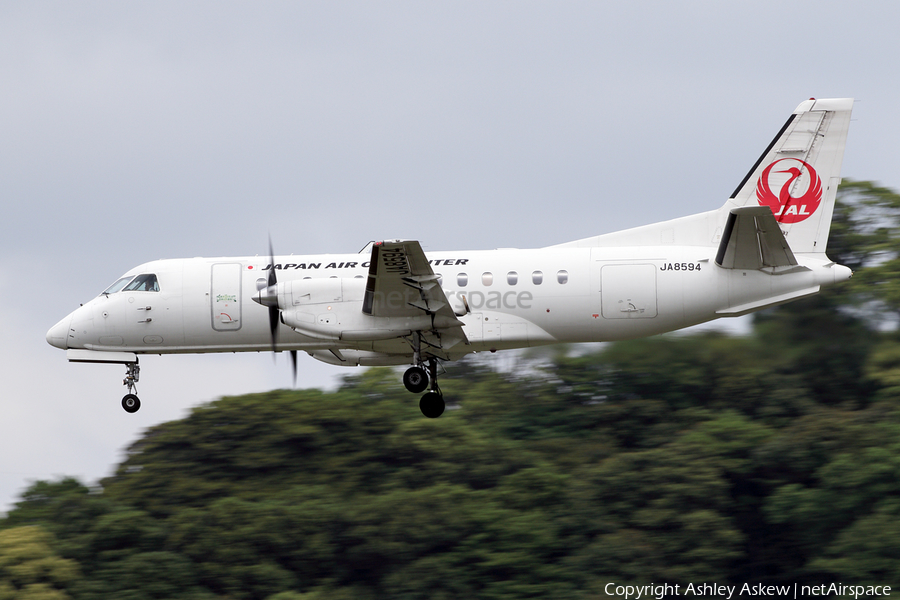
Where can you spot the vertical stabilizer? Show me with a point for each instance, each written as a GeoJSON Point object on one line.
{"type": "Point", "coordinates": [798, 174]}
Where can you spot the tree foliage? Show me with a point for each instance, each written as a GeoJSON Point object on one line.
{"type": "Point", "coordinates": [30, 569]}
{"type": "Point", "coordinates": [680, 458]}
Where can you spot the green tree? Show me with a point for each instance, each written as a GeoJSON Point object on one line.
{"type": "Point", "coordinates": [29, 567]}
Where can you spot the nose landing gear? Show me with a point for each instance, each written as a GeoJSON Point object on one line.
{"type": "Point", "coordinates": [416, 380]}
{"type": "Point", "coordinates": [131, 403]}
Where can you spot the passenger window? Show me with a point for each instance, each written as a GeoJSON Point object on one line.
{"type": "Point", "coordinates": [537, 278]}
{"type": "Point", "coordinates": [462, 279]}
{"type": "Point", "coordinates": [143, 283]}
{"type": "Point", "coordinates": [562, 276]}
{"type": "Point", "coordinates": [512, 278]}
{"type": "Point", "coordinates": [487, 278]}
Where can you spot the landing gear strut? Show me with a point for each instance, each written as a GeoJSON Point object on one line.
{"type": "Point", "coordinates": [131, 403]}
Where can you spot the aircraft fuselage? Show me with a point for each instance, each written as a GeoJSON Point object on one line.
{"type": "Point", "coordinates": [515, 299]}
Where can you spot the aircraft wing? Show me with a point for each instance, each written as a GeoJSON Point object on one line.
{"type": "Point", "coordinates": [401, 284]}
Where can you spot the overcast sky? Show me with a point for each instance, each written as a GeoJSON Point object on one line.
{"type": "Point", "coordinates": [136, 131]}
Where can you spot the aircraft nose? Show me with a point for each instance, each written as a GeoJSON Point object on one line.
{"type": "Point", "coordinates": [58, 335]}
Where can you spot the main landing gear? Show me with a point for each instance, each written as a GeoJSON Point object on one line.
{"type": "Point", "coordinates": [131, 403]}
{"type": "Point", "coordinates": [416, 380]}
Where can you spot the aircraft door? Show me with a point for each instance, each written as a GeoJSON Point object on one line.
{"type": "Point", "coordinates": [225, 296]}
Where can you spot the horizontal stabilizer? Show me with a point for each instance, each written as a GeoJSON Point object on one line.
{"type": "Point", "coordinates": [743, 309]}
{"type": "Point", "coordinates": [753, 240]}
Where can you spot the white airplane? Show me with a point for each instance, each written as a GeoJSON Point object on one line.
{"type": "Point", "coordinates": [393, 304]}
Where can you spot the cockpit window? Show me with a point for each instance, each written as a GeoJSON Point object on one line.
{"type": "Point", "coordinates": [143, 283]}
{"type": "Point", "coordinates": [118, 285]}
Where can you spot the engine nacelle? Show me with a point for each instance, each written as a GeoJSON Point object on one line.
{"type": "Point", "coordinates": [331, 309]}
{"type": "Point", "coordinates": [364, 358]}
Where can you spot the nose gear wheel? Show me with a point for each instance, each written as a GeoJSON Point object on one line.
{"type": "Point", "coordinates": [131, 403]}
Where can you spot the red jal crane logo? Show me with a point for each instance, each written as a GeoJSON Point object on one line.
{"type": "Point", "coordinates": [787, 208]}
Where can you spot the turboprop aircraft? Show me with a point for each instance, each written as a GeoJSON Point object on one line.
{"type": "Point", "coordinates": [394, 304]}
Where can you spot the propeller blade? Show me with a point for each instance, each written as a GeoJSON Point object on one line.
{"type": "Point", "coordinates": [273, 310]}
{"type": "Point", "coordinates": [274, 316]}
{"type": "Point", "coordinates": [272, 280]}
{"type": "Point", "coordinates": [273, 326]}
